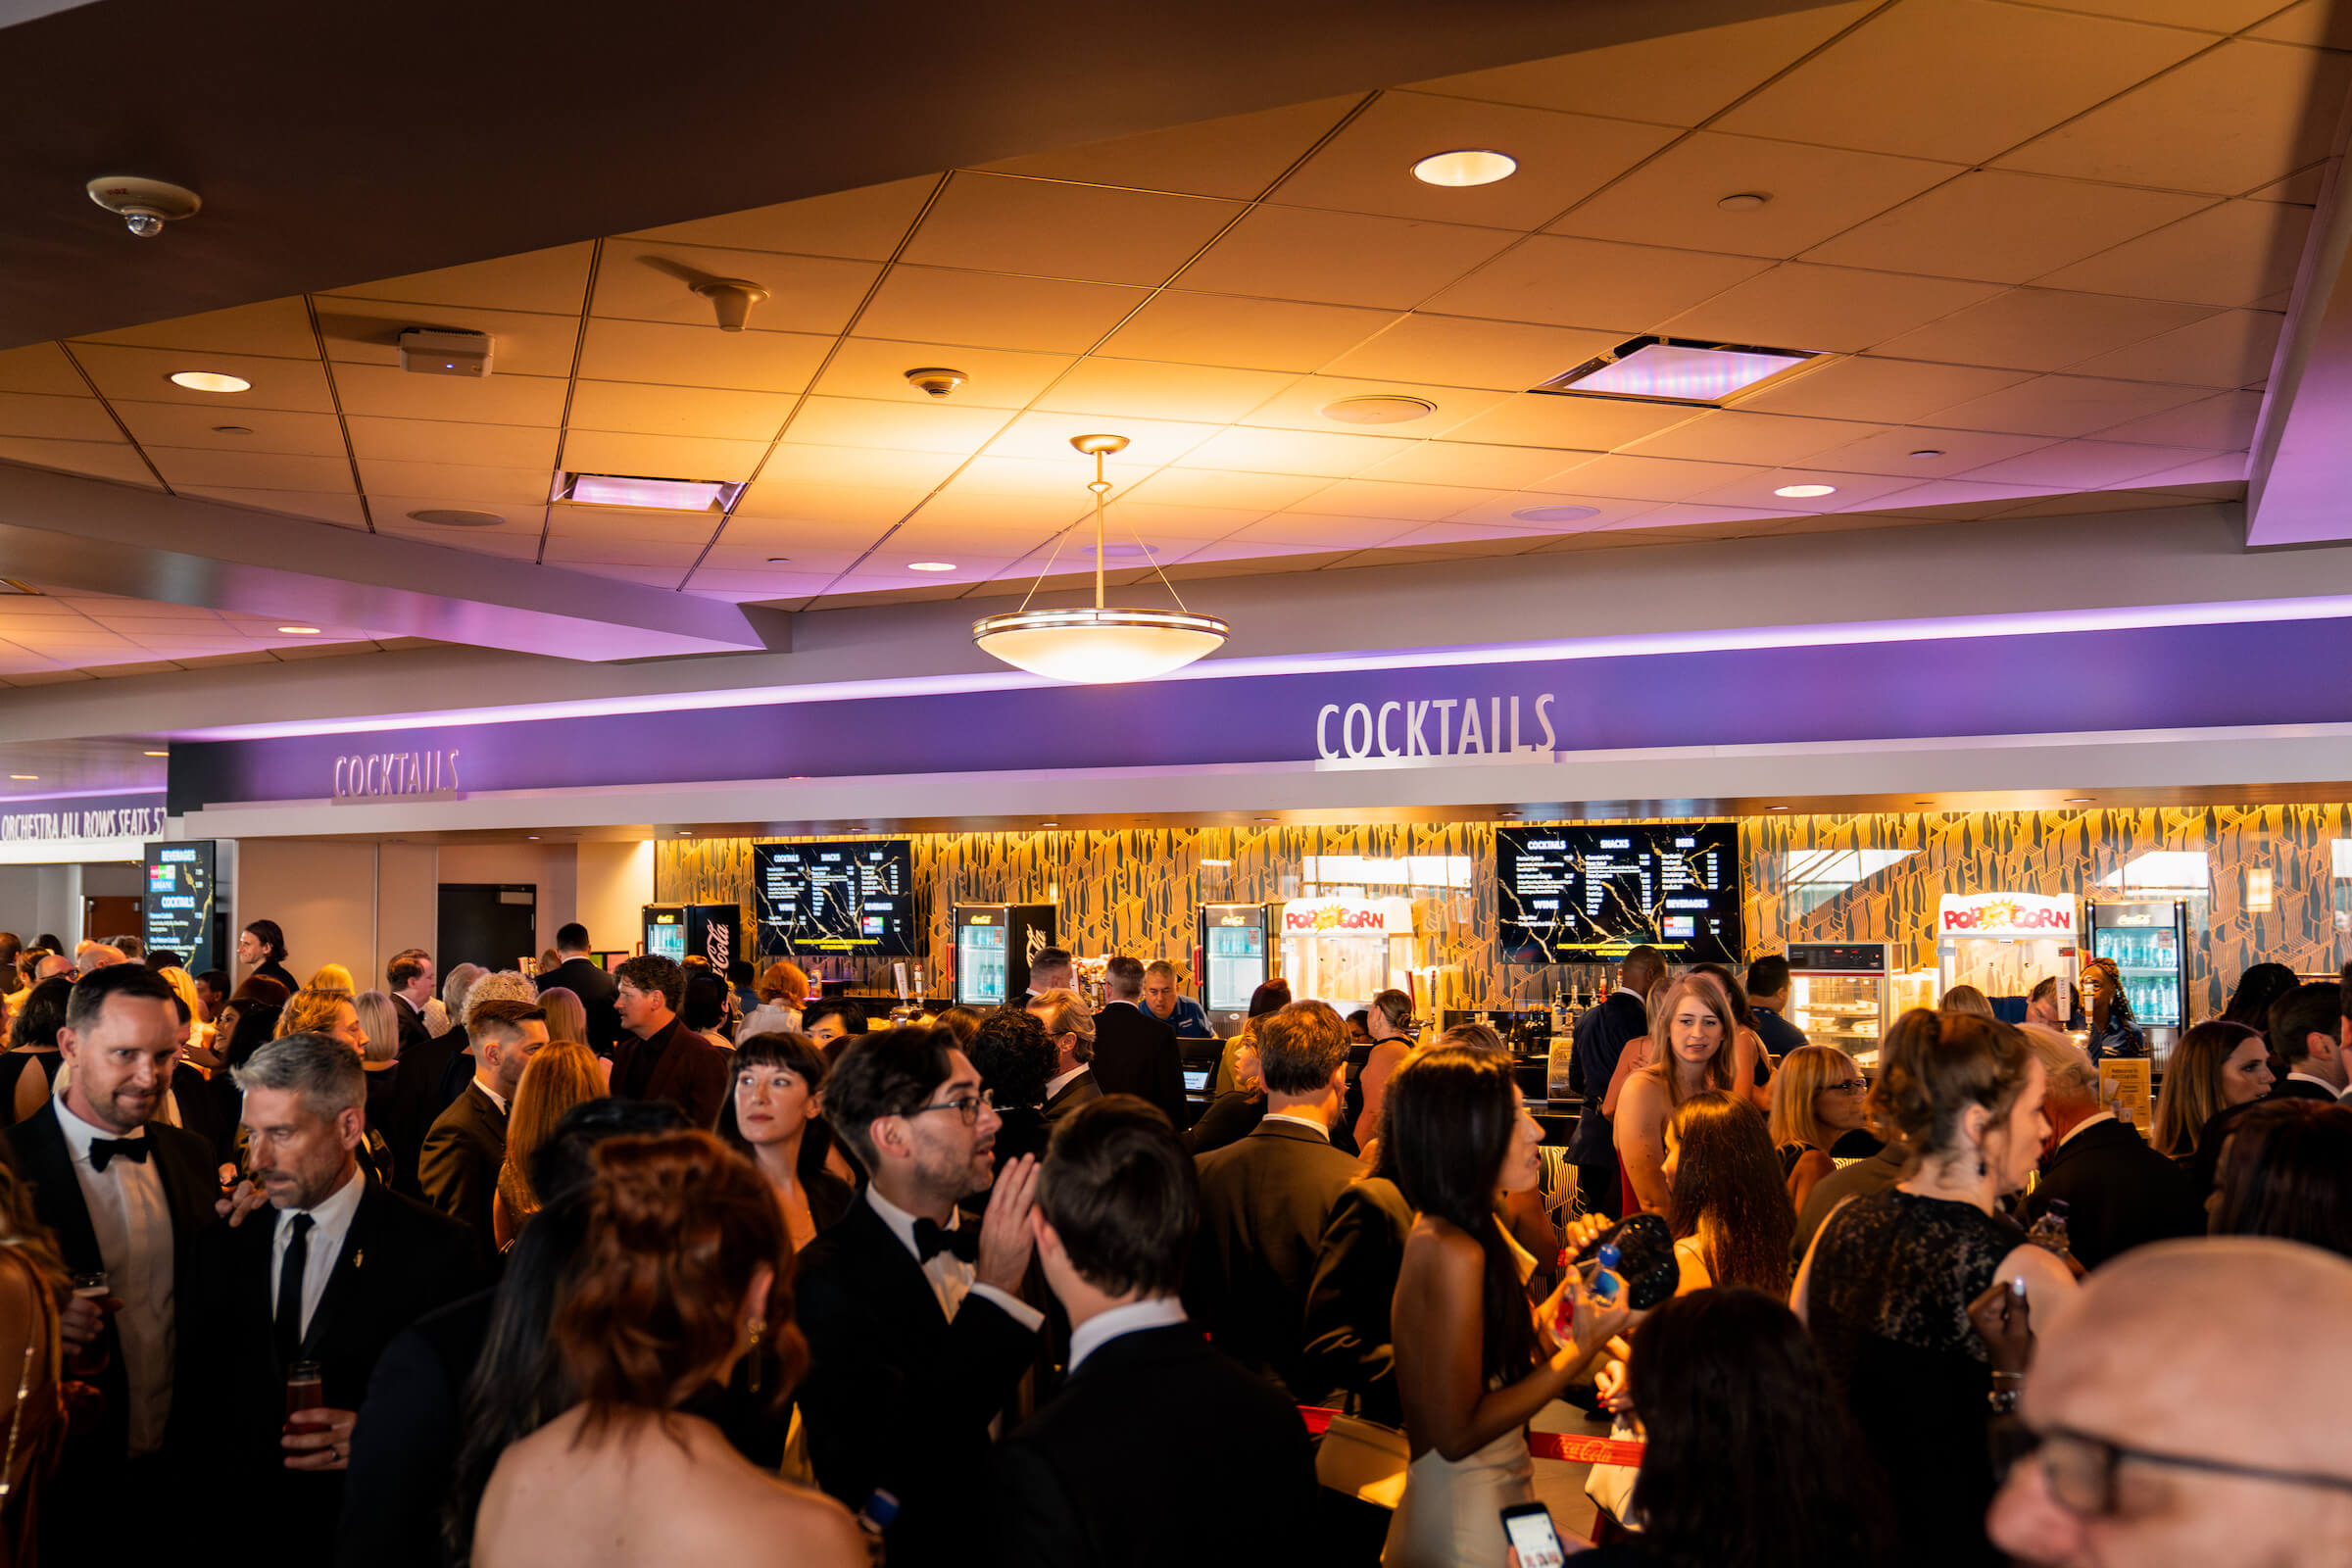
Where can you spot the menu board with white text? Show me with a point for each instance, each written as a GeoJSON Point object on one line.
{"type": "Point", "coordinates": [1589, 895]}
{"type": "Point", "coordinates": [853, 896]}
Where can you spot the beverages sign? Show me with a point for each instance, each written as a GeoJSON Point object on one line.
{"type": "Point", "coordinates": [2005, 914]}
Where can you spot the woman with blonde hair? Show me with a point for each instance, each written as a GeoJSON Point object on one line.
{"type": "Point", "coordinates": [567, 1015]}
{"type": "Point", "coordinates": [330, 977]}
{"type": "Point", "coordinates": [1965, 999]}
{"type": "Point", "coordinates": [2216, 1065]}
{"type": "Point", "coordinates": [1820, 1116]}
{"type": "Point", "coordinates": [783, 990]}
{"type": "Point", "coordinates": [557, 1078]}
{"type": "Point", "coordinates": [1691, 1034]}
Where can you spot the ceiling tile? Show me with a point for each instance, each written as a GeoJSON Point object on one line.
{"type": "Point", "coordinates": [1562, 159]}
{"type": "Point", "coordinates": [677, 411]}
{"type": "Point", "coordinates": [901, 426]}
{"type": "Point", "coordinates": [1831, 309]}
{"type": "Point", "coordinates": [258, 471]}
{"type": "Point", "coordinates": [1237, 155]}
{"type": "Point", "coordinates": [280, 328]}
{"type": "Point", "coordinates": [56, 419]}
{"type": "Point", "coordinates": [1034, 516]}
{"type": "Point", "coordinates": [2222, 422]}
{"type": "Point", "coordinates": [1957, 79]}
{"type": "Point", "coordinates": [551, 281]}
{"type": "Point", "coordinates": [2040, 329]}
{"type": "Point", "coordinates": [1297, 252]}
{"type": "Point", "coordinates": [118, 461]}
{"type": "Point", "coordinates": [40, 368]}
{"type": "Point", "coordinates": [1593, 283]}
{"type": "Point", "coordinates": [523, 343]}
{"type": "Point", "coordinates": [2064, 406]}
{"type": "Point", "coordinates": [745, 587]}
{"type": "Point", "coordinates": [1046, 228]}
{"type": "Point", "coordinates": [1156, 524]}
{"type": "Point", "coordinates": [866, 224]}
{"type": "Point", "coordinates": [489, 446]}
{"type": "Point", "coordinates": [1893, 452]}
{"type": "Point", "coordinates": [2224, 466]}
{"type": "Point", "coordinates": [2132, 497]}
{"type": "Point", "coordinates": [2002, 227]}
{"type": "Point", "coordinates": [659, 456]}
{"type": "Point", "coordinates": [673, 354]}
{"type": "Point", "coordinates": [1727, 436]}
{"type": "Point", "coordinates": [2302, 187]}
{"type": "Point", "coordinates": [2238, 253]}
{"type": "Point", "coordinates": [1151, 443]}
{"type": "Point", "coordinates": [878, 474]}
{"type": "Point", "coordinates": [1607, 511]}
{"type": "Point", "coordinates": [1374, 498]}
{"type": "Point", "coordinates": [1303, 452]}
{"type": "Point", "coordinates": [1454, 541]}
{"type": "Point", "coordinates": [1571, 421]}
{"type": "Point", "coordinates": [990, 310]}
{"type": "Point", "coordinates": [1854, 490]}
{"type": "Point", "coordinates": [1889, 391]}
{"type": "Point", "coordinates": [1815, 192]}
{"type": "Point", "coordinates": [997, 378]}
{"type": "Point", "coordinates": [1326, 533]}
{"type": "Point", "coordinates": [1192, 329]}
{"type": "Point", "coordinates": [1140, 388]}
{"type": "Point", "coordinates": [1963, 493]}
{"type": "Point", "coordinates": [1219, 488]}
{"type": "Point", "coordinates": [2320, 23]}
{"type": "Point", "coordinates": [2212, 15]}
{"type": "Point", "coordinates": [460, 485]}
{"type": "Point", "coordinates": [391, 514]}
{"type": "Point", "coordinates": [649, 282]}
{"type": "Point", "coordinates": [2231, 349]}
{"type": "Point", "coordinates": [145, 375]}
{"type": "Point", "coordinates": [2085, 465]}
{"type": "Point", "coordinates": [2241, 116]}
{"type": "Point", "coordinates": [1468, 462]}
{"type": "Point", "coordinates": [1677, 79]}
{"type": "Point", "coordinates": [321, 507]}
{"type": "Point", "coordinates": [385, 392]}
{"type": "Point", "coordinates": [176, 424]}
{"type": "Point", "coordinates": [1649, 478]}
{"type": "Point", "coordinates": [564, 550]}
{"type": "Point", "coordinates": [1459, 351]}
{"type": "Point", "coordinates": [1051, 481]}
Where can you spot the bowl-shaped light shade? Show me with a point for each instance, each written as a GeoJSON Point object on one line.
{"type": "Point", "coordinates": [1099, 647]}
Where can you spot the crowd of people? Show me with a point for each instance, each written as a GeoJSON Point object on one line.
{"type": "Point", "coordinates": [663, 1264]}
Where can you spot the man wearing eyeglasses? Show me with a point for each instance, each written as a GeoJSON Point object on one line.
{"type": "Point", "coordinates": [2172, 1431]}
{"type": "Point", "coordinates": [917, 1331]}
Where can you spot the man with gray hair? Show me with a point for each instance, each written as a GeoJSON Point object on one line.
{"type": "Point", "coordinates": [1135, 1052]}
{"type": "Point", "coordinates": [2118, 1193]}
{"type": "Point", "coordinates": [315, 1289]}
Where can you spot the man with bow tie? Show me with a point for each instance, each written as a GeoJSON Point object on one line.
{"type": "Point", "coordinates": [125, 1197]}
{"type": "Point", "coordinates": [917, 1333]}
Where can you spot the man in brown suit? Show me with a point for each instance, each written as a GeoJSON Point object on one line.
{"type": "Point", "coordinates": [656, 1057]}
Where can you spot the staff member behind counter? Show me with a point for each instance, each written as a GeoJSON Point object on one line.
{"type": "Point", "coordinates": [1165, 1002]}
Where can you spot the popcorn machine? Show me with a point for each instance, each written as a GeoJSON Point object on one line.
{"type": "Point", "coordinates": [2004, 944]}
{"type": "Point", "coordinates": [1345, 951]}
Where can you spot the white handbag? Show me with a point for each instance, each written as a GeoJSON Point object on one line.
{"type": "Point", "coordinates": [1363, 1459]}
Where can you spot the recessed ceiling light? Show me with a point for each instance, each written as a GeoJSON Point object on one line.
{"type": "Point", "coordinates": [158, 753]}
{"type": "Point", "coordinates": [28, 778]}
{"type": "Point", "coordinates": [210, 382]}
{"type": "Point", "coordinates": [1775, 807]}
{"type": "Point", "coordinates": [1049, 824]}
{"type": "Point", "coordinates": [930, 566]}
{"type": "Point", "coordinates": [1746, 201]}
{"type": "Point", "coordinates": [1380, 410]}
{"type": "Point", "coordinates": [531, 836]}
{"type": "Point", "coordinates": [685, 832]}
{"type": "Point", "coordinates": [1467, 166]}
{"type": "Point", "coordinates": [658, 495]}
{"type": "Point", "coordinates": [299, 631]}
{"type": "Point", "coordinates": [1803, 490]}
{"type": "Point", "coordinates": [1555, 514]}
{"type": "Point", "coordinates": [456, 517]}
{"type": "Point", "coordinates": [1507, 813]}
{"type": "Point", "coordinates": [2080, 800]}
{"type": "Point", "coordinates": [1262, 819]}
{"type": "Point", "coordinates": [777, 560]}
{"type": "Point", "coordinates": [233, 429]}
{"type": "Point", "coordinates": [1677, 371]}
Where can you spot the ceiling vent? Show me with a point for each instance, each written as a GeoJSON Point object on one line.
{"type": "Point", "coordinates": [1673, 369]}
{"type": "Point", "coordinates": [657, 495]}
{"type": "Point", "coordinates": [435, 351]}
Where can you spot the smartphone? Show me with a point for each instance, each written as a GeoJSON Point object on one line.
{"type": "Point", "coordinates": [1528, 1526]}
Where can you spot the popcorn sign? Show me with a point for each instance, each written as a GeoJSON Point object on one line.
{"type": "Point", "coordinates": [2005, 914]}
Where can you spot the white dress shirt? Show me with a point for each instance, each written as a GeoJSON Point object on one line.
{"type": "Point", "coordinates": [1152, 1312]}
{"type": "Point", "coordinates": [2312, 1078]}
{"type": "Point", "coordinates": [132, 1219]}
{"type": "Point", "coordinates": [952, 1278]}
{"type": "Point", "coordinates": [1299, 1118]}
{"type": "Point", "coordinates": [331, 1222]}
{"type": "Point", "coordinates": [496, 1098]}
{"type": "Point", "coordinates": [1060, 1080]}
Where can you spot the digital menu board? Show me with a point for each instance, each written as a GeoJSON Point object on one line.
{"type": "Point", "coordinates": [1588, 895]}
{"type": "Point", "coordinates": [846, 895]}
{"type": "Point", "coordinates": [177, 901]}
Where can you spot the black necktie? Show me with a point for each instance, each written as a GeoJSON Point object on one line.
{"type": "Point", "coordinates": [932, 1239]}
{"type": "Point", "coordinates": [103, 1150]}
{"type": "Point", "coordinates": [288, 1329]}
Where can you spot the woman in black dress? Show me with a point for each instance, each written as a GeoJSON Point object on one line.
{"type": "Point", "coordinates": [1890, 1279]}
{"type": "Point", "coordinates": [30, 1064]}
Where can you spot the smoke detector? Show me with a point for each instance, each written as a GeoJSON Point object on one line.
{"type": "Point", "coordinates": [937, 380]}
{"type": "Point", "coordinates": [732, 298]}
{"type": "Point", "coordinates": [435, 351]}
{"type": "Point", "coordinates": [145, 206]}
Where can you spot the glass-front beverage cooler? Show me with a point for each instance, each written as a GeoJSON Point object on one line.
{"type": "Point", "coordinates": [708, 931]}
{"type": "Point", "coordinates": [2005, 943]}
{"type": "Point", "coordinates": [2148, 940]}
{"type": "Point", "coordinates": [1842, 995]}
{"type": "Point", "coordinates": [1235, 957]}
{"type": "Point", "coordinates": [994, 944]}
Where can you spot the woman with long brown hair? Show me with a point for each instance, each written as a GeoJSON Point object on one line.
{"type": "Point", "coordinates": [557, 1078]}
{"type": "Point", "coordinates": [1690, 1053]}
{"type": "Point", "coordinates": [1726, 1204]}
{"type": "Point", "coordinates": [2214, 1066]}
{"type": "Point", "coordinates": [683, 1276]}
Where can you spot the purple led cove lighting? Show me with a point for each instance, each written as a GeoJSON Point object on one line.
{"type": "Point", "coordinates": [1690, 375]}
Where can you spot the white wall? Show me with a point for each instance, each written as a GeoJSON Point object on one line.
{"type": "Point", "coordinates": [615, 883]}
{"type": "Point", "coordinates": [323, 894]}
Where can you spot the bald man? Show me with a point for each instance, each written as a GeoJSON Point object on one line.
{"type": "Point", "coordinates": [2161, 1362]}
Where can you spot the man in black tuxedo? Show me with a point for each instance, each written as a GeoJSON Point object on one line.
{"type": "Point", "coordinates": [1070, 1029]}
{"type": "Point", "coordinates": [1052, 969]}
{"type": "Point", "coordinates": [1601, 1036]}
{"type": "Point", "coordinates": [2306, 1031]}
{"type": "Point", "coordinates": [125, 1197]}
{"type": "Point", "coordinates": [2119, 1193]}
{"type": "Point", "coordinates": [336, 1267]}
{"type": "Point", "coordinates": [1113, 1472]}
{"type": "Point", "coordinates": [586, 979]}
{"type": "Point", "coordinates": [658, 1058]}
{"type": "Point", "coordinates": [467, 1144]}
{"type": "Point", "coordinates": [416, 1079]}
{"type": "Point", "coordinates": [1135, 1053]}
{"type": "Point", "coordinates": [409, 978]}
{"type": "Point", "coordinates": [916, 1336]}
{"type": "Point", "coordinates": [1265, 1201]}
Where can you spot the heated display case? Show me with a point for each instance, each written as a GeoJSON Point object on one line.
{"type": "Point", "coordinates": [2148, 940]}
{"type": "Point", "coordinates": [994, 946]}
{"type": "Point", "coordinates": [1842, 995]}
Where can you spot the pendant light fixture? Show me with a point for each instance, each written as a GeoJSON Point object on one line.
{"type": "Point", "coordinates": [1101, 646]}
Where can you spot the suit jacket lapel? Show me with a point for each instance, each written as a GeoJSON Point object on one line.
{"type": "Point", "coordinates": [894, 1268]}
{"type": "Point", "coordinates": [49, 1166]}
{"type": "Point", "coordinates": [344, 1281]}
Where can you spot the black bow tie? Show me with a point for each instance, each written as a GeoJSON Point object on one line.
{"type": "Point", "coordinates": [103, 1150]}
{"type": "Point", "coordinates": [932, 1239]}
